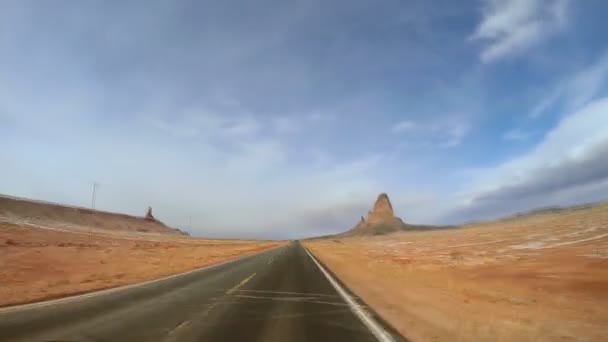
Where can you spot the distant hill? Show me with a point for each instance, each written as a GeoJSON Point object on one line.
{"type": "Point", "coordinates": [544, 211]}
{"type": "Point", "coordinates": [25, 209]}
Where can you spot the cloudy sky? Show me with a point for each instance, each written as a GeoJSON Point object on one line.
{"type": "Point", "coordinates": [286, 118]}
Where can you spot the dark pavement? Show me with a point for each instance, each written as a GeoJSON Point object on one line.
{"type": "Point", "coordinates": [277, 295]}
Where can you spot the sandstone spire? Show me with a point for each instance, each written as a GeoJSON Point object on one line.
{"type": "Point", "coordinates": [382, 209]}
{"type": "Point", "coordinates": [381, 219]}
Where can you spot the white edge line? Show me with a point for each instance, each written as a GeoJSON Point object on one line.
{"type": "Point", "coordinates": [379, 332]}
{"type": "Point", "coordinates": [119, 288]}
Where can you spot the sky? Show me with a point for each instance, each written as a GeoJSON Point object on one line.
{"type": "Point", "coordinates": [285, 119]}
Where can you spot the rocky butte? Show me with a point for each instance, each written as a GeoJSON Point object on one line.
{"type": "Point", "coordinates": [380, 220]}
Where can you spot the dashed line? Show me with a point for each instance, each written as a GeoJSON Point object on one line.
{"type": "Point", "coordinates": [240, 284]}
{"type": "Point", "coordinates": [179, 326]}
{"type": "Point", "coordinates": [208, 309]}
{"type": "Point", "coordinates": [309, 294]}
{"type": "Point", "coordinates": [229, 292]}
{"type": "Point", "coordinates": [293, 299]}
{"type": "Point", "coordinates": [172, 334]}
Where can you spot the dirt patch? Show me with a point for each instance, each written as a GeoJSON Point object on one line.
{"type": "Point", "coordinates": [537, 278]}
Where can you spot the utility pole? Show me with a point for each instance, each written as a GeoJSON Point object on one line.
{"type": "Point", "coordinates": [190, 222]}
{"type": "Point", "coordinates": [95, 185]}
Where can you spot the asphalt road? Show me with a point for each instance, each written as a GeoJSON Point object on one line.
{"type": "Point", "coordinates": [278, 295]}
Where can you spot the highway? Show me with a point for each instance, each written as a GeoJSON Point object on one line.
{"type": "Point", "coordinates": [281, 294]}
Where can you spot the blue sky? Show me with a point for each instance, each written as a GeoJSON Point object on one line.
{"type": "Point", "coordinates": [286, 118]}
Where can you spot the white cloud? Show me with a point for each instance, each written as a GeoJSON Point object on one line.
{"type": "Point", "coordinates": [242, 126]}
{"type": "Point", "coordinates": [455, 133]}
{"type": "Point", "coordinates": [317, 116]}
{"type": "Point", "coordinates": [510, 27]}
{"type": "Point", "coordinates": [568, 166]}
{"type": "Point", "coordinates": [296, 123]}
{"type": "Point", "coordinates": [517, 134]}
{"type": "Point", "coordinates": [403, 126]}
{"type": "Point", "coordinates": [198, 122]}
{"type": "Point", "coordinates": [444, 133]}
{"type": "Point", "coordinates": [285, 124]}
{"type": "Point", "coordinates": [577, 89]}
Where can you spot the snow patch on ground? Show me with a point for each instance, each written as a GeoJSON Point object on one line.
{"type": "Point", "coordinates": [544, 245]}
{"type": "Point", "coordinates": [530, 245]}
{"type": "Point", "coordinates": [479, 243]}
{"type": "Point", "coordinates": [588, 230]}
{"type": "Point", "coordinates": [597, 256]}
{"type": "Point", "coordinates": [398, 243]}
{"type": "Point", "coordinates": [578, 241]}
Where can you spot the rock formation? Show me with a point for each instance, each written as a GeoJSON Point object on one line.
{"type": "Point", "coordinates": [380, 220]}
{"type": "Point", "coordinates": [382, 210]}
{"type": "Point", "coordinates": [149, 216]}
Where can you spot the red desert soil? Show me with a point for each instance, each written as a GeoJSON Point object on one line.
{"type": "Point", "coordinates": [45, 263]}
{"type": "Point", "coordinates": [542, 277]}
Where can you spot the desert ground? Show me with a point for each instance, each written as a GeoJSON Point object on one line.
{"type": "Point", "coordinates": [541, 277]}
{"type": "Point", "coordinates": [49, 252]}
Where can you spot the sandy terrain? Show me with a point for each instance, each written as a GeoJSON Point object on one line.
{"type": "Point", "coordinates": [51, 261]}
{"type": "Point", "coordinates": [537, 278]}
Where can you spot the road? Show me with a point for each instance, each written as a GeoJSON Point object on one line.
{"type": "Point", "coordinates": [277, 295]}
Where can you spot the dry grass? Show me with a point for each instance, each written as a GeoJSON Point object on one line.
{"type": "Point", "coordinates": [537, 278]}
{"type": "Point", "coordinates": [44, 263]}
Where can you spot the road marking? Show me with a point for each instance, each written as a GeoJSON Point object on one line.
{"type": "Point", "coordinates": [377, 330]}
{"type": "Point", "coordinates": [179, 326]}
{"type": "Point", "coordinates": [240, 284]}
{"type": "Point", "coordinates": [173, 334]}
{"type": "Point", "coordinates": [309, 294]}
{"type": "Point", "coordinates": [229, 292]}
{"type": "Point", "coordinates": [293, 299]}
{"type": "Point", "coordinates": [270, 261]}
{"type": "Point", "coordinates": [208, 309]}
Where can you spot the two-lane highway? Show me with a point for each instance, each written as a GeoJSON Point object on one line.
{"type": "Point", "coordinates": [278, 295]}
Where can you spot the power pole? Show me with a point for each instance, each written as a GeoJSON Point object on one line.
{"type": "Point", "coordinates": [190, 223]}
{"type": "Point", "coordinates": [95, 185]}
